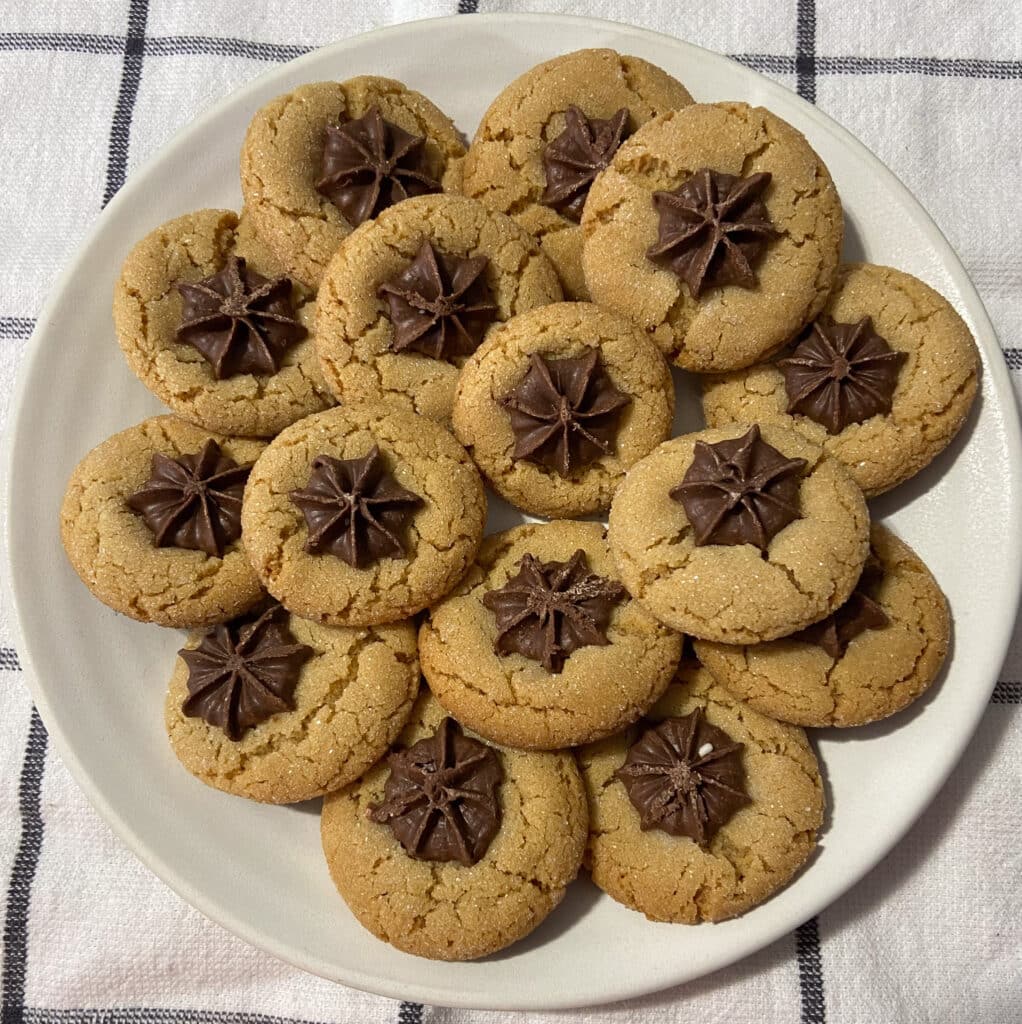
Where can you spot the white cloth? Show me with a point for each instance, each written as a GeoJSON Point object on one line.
{"type": "Point", "coordinates": [90, 90]}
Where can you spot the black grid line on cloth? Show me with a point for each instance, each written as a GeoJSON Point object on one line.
{"type": "Point", "coordinates": [1008, 691]}
{"type": "Point", "coordinates": [467, 7]}
{"type": "Point", "coordinates": [810, 972]}
{"type": "Point", "coordinates": [807, 936]}
{"type": "Point", "coordinates": [805, 50]}
{"type": "Point", "coordinates": [66, 42]}
{"type": "Point", "coordinates": [14, 966]}
{"type": "Point", "coordinates": [410, 1013]}
{"type": "Point", "coordinates": [771, 63]}
{"type": "Point", "coordinates": [9, 660]}
{"type": "Point", "coordinates": [16, 326]}
{"type": "Point", "coordinates": [947, 67]}
{"type": "Point", "coordinates": [131, 76]}
{"type": "Point", "coordinates": [1013, 357]}
{"type": "Point", "coordinates": [219, 46]}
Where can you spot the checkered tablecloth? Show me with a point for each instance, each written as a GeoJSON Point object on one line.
{"type": "Point", "coordinates": [90, 90]}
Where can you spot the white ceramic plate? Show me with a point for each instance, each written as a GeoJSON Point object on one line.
{"type": "Point", "coordinates": [98, 679]}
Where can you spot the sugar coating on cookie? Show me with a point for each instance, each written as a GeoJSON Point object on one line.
{"type": "Point", "coordinates": [504, 165]}
{"type": "Point", "coordinates": [354, 694]}
{"type": "Point", "coordinates": [567, 330]}
{"type": "Point", "coordinates": [935, 388]}
{"type": "Point", "coordinates": [513, 699]}
{"type": "Point", "coordinates": [281, 161]}
{"type": "Point", "coordinates": [881, 671]}
{"type": "Point", "coordinates": [756, 852]}
{"type": "Point", "coordinates": [355, 335]}
{"type": "Point", "coordinates": [148, 312]}
{"type": "Point", "coordinates": [728, 326]}
{"type": "Point", "coordinates": [738, 593]}
{"type": "Point", "coordinates": [446, 910]}
{"type": "Point", "coordinates": [112, 549]}
{"type": "Point", "coordinates": [440, 541]}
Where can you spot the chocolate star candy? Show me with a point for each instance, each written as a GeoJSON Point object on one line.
{"type": "Point", "coordinates": [685, 777]}
{"type": "Point", "coordinates": [740, 492]}
{"type": "Point", "coordinates": [370, 164]}
{"type": "Point", "coordinates": [240, 321]}
{"type": "Point", "coordinates": [440, 305]}
{"type": "Point", "coordinates": [243, 672]}
{"type": "Point", "coordinates": [550, 609]}
{"type": "Point", "coordinates": [193, 501]}
{"type": "Point", "coordinates": [713, 229]}
{"type": "Point", "coordinates": [441, 799]}
{"type": "Point", "coordinates": [577, 155]}
{"type": "Point", "coordinates": [841, 374]}
{"type": "Point", "coordinates": [859, 613]}
{"type": "Point", "coordinates": [565, 413]}
{"type": "Point", "coordinates": [355, 509]}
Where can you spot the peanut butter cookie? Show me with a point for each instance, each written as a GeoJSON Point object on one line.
{"type": "Point", "coordinates": [211, 327]}
{"type": "Point", "coordinates": [718, 230]}
{"type": "Point", "coordinates": [541, 647]}
{"type": "Point", "coordinates": [322, 159]}
{"type": "Point", "coordinates": [362, 515]}
{"type": "Point", "coordinates": [704, 809]}
{"type": "Point", "coordinates": [151, 523]}
{"type": "Point", "coordinates": [558, 403]}
{"type": "Point", "coordinates": [740, 533]}
{"type": "Point", "coordinates": [279, 709]}
{"type": "Point", "coordinates": [550, 132]}
{"type": "Point", "coordinates": [410, 295]}
{"type": "Point", "coordinates": [476, 866]}
{"type": "Point", "coordinates": [875, 655]}
{"type": "Point", "coordinates": [883, 379]}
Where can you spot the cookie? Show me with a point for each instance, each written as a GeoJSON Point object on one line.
{"type": "Point", "coordinates": [411, 294]}
{"type": "Point", "coordinates": [718, 230]}
{"type": "Point", "coordinates": [739, 534]}
{"type": "Point", "coordinates": [251, 370]}
{"type": "Point", "coordinates": [874, 656]}
{"type": "Point", "coordinates": [496, 883]}
{"type": "Point", "coordinates": [541, 647]}
{"type": "Point", "coordinates": [558, 403]}
{"type": "Point", "coordinates": [546, 136]}
{"type": "Point", "coordinates": [362, 515]}
{"type": "Point", "coordinates": [113, 547]}
{"type": "Point", "coordinates": [906, 381]}
{"type": "Point", "coordinates": [325, 706]}
{"type": "Point", "coordinates": [765, 801]}
{"type": "Point", "coordinates": [283, 169]}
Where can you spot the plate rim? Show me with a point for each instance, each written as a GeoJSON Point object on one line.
{"type": "Point", "coordinates": [994, 368]}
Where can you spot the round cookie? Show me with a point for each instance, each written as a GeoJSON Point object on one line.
{"type": "Point", "coordinates": [283, 150]}
{"type": "Point", "coordinates": [112, 549]}
{"type": "Point", "coordinates": [438, 529]}
{"type": "Point", "coordinates": [504, 166]}
{"type": "Point", "coordinates": [629, 379]}
{"type": "Point", "coordinates": [735, 592]}
{"type": "Point", "coordinates": [728, 326]}
{"type": "Point", "coordinates": [353, 694]}
{"type": "Point", "coordinates": [581, 693]}
{"type": "Point", "coordinates": [869, 668]}
{"type": "Point", "coordinates": [449, 910]}
{"type": "Point", "coordinates": [936, 381]}
{"type": "Point", "coordinates": [752, 855]}
{"type": "Point", "coordinates": [355, 334]}
{"type": "Point", "coordinates": [148, 311]}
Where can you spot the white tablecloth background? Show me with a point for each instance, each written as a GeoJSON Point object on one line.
{"type": "Point", "coordinates": [92, 89]}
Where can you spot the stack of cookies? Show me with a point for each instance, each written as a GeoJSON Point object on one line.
{"type": "Point", "coordinates": [393, 320]}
